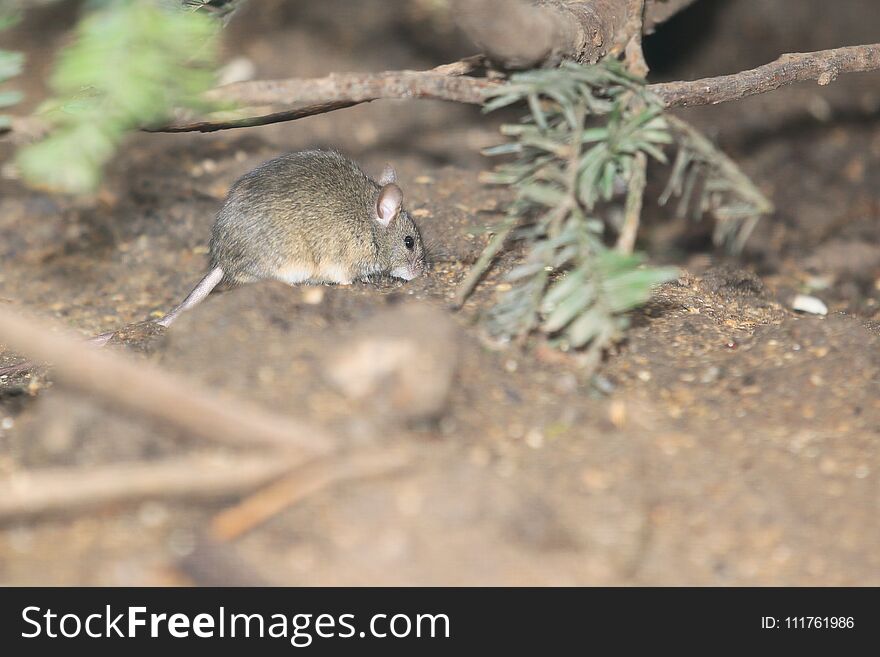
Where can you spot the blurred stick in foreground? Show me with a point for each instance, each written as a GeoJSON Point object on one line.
{"type": "Point", "coordinates": [301, 483]}
{"type": "Point", "coordinates": [56, 490]}
{"type": "Point", "coordinates": [146, 390]}
{"type": "Point", "coordinates": [45, 491]}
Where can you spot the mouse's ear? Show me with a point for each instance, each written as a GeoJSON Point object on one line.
{"type": "Point", "coordinates": [389, 175]}
{"type": "Point", "coordinates": [388, 204]}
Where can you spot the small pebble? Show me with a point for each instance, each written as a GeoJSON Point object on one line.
{"type": "Point", "coordinates": [808, 304]}
{"type": "Point", "coordinates": [534, 438]}
{"type": "Point", "coordinates": [313, 295]}
{"type": "Point", "coordinates": [710, 375]}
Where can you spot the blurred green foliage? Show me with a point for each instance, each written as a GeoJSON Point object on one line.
{"type": "Point", "coordinates": [130, 63]}
{"type": "Point", "coordinates": [10, 63]}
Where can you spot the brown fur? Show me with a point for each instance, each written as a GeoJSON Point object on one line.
{"type": "Point", "coordinates": [311, 213]}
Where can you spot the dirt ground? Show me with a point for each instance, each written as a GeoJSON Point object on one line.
{"type": "Point", "coordinates": [729, 440]}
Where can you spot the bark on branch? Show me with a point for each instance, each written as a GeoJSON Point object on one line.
{"type": "Point", "coordinates": [357, 88]}
{"type": "Point", "coordinates": [518, 34]}
{"type": "Point", "coordinates": [823, 66]}
{"type": "Point", "coordinates": [350, 89]}
{"type": "Point", "coordinates": [345, 90]}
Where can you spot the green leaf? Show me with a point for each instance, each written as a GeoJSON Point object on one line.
{"type": "Point", "coordinates": [543, 194]}
{"type": "Point", "coordinates": [571, 285]}
{"type": "Point", "coordinates": [594, 134]}
{"type": "Point", "coordinates": [128, 66]}
{"type": "Point", "coordinates": [587, 326]}
{"type": "Point", "coordinates": [502, 149]}
{"type": "Point", "coordinates": [524, 271]}
{"type": "Point", "coordinates": [537, 111]}
{"type": "Point", "coordinates": [8, 98]}
{"type": "Point", "coordinates": [562, 288]}
{"type": "Point", "coordinates": [10, 64]}
{"type": "Point", "coordinates": [628, 290]}
{"type": "Point", "coordinates": [607, 182]}
{"type": "Point", "coordinates": [570, 306]}
{"type": "Point", "coordinates": [652, 150]}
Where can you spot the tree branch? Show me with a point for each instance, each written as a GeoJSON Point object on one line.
{"type": "Point", "coordinates": [660, 11]}
{"type": "Point", "coordinates": [345, 90]}
{"type": "Point", "coordinates": [823, 66]}
{"type": "Point", "coordinates": [516, 34]}
{"type": "Point", "coordinates": [355, 87]}
{"type": "Point", "coordinates": [339, 91]}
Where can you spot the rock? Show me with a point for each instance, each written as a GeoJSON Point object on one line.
{"type": "Point", "coordinates": [727, 279]}
{"type": "Point", "coordinates": [402, 362]}
{"type": "Point", "coordinates": [809, 304]}
{"type": "Point", "coordinates": [858, 260]}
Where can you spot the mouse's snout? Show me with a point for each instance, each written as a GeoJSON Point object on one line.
{"type": "Point", "coordinates": [409, 271]}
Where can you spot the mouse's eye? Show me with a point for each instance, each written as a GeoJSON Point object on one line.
{"type": "Point", "coordinates": [409, 242]}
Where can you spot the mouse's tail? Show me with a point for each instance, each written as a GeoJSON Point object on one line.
{"type": "Point", "coordinates": [204, 288]}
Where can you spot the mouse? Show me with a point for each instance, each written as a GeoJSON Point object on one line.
{"type": "Point", "coordinates": [306, 217]}
{"type": "Point", "coordinates": [309, 217]}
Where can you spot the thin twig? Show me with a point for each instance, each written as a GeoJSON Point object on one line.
{"type": "Point", "coordinates": [254, 121]}
{"type": "Point", "coordinates": [454, 69]}
{"type": "Point", "coordinates": [301, 483]}
{"type": "Point", "coordinates": [345, 90]}
{"type": "Point", "coordinates": [147, 390]}
{"type": "Point", "coordinates": [356, 87]}
{"type": "Point", "coordinates": [823, 66]}
{"type": "Point", "coordinates": [635, 58]}
{"type": "Point", "coordinates": [626, 241]}
{"type": "Point", "coordinates": [486, 257]}
{"type": "Point", "coordinates": [65, 490]}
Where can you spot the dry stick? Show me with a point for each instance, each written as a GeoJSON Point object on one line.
{"type": "Point", "coordinates": [476, 273]}
{"type": "Point", "coordinates": [823, 66]}
{"type": "Point", "coordinates": [461, 67]}
{"type": "Point", "coordinates": [253, 121]}
{"type": "Point", "coordinates": [147, 390]}
{"type": "Point", "coordinates": [299, 484]}
{"type": "Point", "coordinates": [470, 91]}
{"type": "Point", "coordinates": [356, 87]}
{"type": "Point", "coordinates": [55, 490]}
{"type": "Point", "coordinates": [633, 54]}
{"type": "Point", "coordinates": [626, 241]}
{"type": "Point", "coordinates": [348, 89]}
